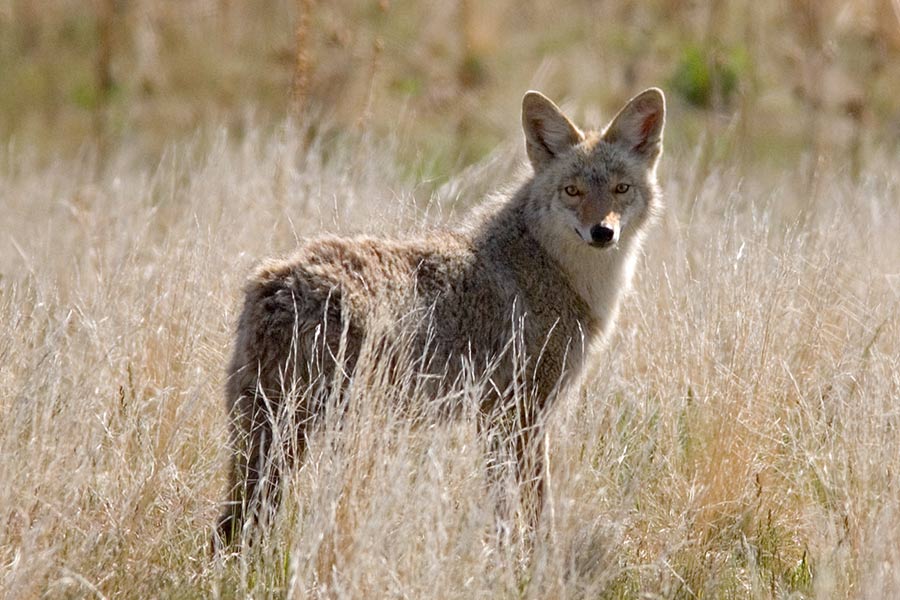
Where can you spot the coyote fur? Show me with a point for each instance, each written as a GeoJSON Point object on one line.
{"type": "Point", "coordinates": [542, 270]}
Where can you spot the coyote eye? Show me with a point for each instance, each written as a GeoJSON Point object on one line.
{"type": "Point", "coordinates": [622, 188]}
{"type": "Point", "coordinates": [571, 190]}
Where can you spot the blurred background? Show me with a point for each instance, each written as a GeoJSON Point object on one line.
{"type": "Point", "coordinates": [772, 82]}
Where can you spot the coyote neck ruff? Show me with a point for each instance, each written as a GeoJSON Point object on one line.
{"type": "Point", "coordinates": [599, 278]}
{"type": "Point", "coordinates": [552, 267]}
{"type": "Point", "coordinates": [515, 298]}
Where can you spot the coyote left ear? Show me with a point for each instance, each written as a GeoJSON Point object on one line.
{"type": "Point", "coordinates": [639, 125]}
{"type": "Point", "coordinates": [548, 132]}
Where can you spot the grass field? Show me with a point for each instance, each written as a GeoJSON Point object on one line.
{"type": "Point", "coordinates": [739, 438]}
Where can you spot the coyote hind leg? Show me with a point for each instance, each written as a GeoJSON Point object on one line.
{"type": "Point", "coordinates": [265, 446]}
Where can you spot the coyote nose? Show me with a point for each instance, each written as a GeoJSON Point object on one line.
{"type": "Point", "coordinates": [601, 235]}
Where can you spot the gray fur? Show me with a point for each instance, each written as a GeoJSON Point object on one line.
{"type": "Point", "coordinates": [525, 268]}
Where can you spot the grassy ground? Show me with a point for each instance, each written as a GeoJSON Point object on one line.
{"type": "Point", "coordinates": [738, 438]}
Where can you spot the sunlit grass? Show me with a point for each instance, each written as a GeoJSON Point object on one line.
{"type": "Point", "coordinates": [737, 439]}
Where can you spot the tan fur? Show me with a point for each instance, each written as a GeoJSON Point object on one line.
{"type": "Point", "coordinates": [526, 268]}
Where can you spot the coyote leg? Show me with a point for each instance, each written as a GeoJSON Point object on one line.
{"type": "Point", "coordinates": [262, 452]}
{"type": "Point", "coordinates": [515, 443]}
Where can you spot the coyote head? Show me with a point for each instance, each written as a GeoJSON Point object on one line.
{"type": "Point", "coordinates": [594, 187]}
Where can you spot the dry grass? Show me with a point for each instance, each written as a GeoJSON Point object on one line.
{"type": "Point", "coordinates": [738, 439]}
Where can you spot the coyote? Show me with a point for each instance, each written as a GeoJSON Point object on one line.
{"type": "Point", "coordinates": [540, 272]}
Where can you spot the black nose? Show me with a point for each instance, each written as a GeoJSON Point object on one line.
{"type": "Point", "coordinates": [601, 235]}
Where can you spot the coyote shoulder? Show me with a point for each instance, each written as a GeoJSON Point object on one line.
{"type": "Point", "coordinates": [518, 295]}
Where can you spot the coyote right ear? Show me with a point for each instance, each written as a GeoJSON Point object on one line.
{"type": "Point", "coordinates": [548, 132]}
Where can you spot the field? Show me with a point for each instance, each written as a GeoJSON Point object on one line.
{"type": "Point", "coordinates": [739, 438]}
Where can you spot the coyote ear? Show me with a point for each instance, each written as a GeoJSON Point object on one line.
{"type": "Point", "coordinates": [548, 132]}
{"type": "Point", "coordinates": [639, 125]}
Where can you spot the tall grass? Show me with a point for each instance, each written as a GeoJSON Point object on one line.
{"type": "Point", "coordinates": [737, 439]}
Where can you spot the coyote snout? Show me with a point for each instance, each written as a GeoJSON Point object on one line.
{"type": "Point", "coordinates": [512, 297]}
{"type": "Point", "coordinates": [606, 233]}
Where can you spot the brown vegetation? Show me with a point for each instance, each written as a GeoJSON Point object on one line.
{"type": "Point", "coordinates": [739, 438]}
